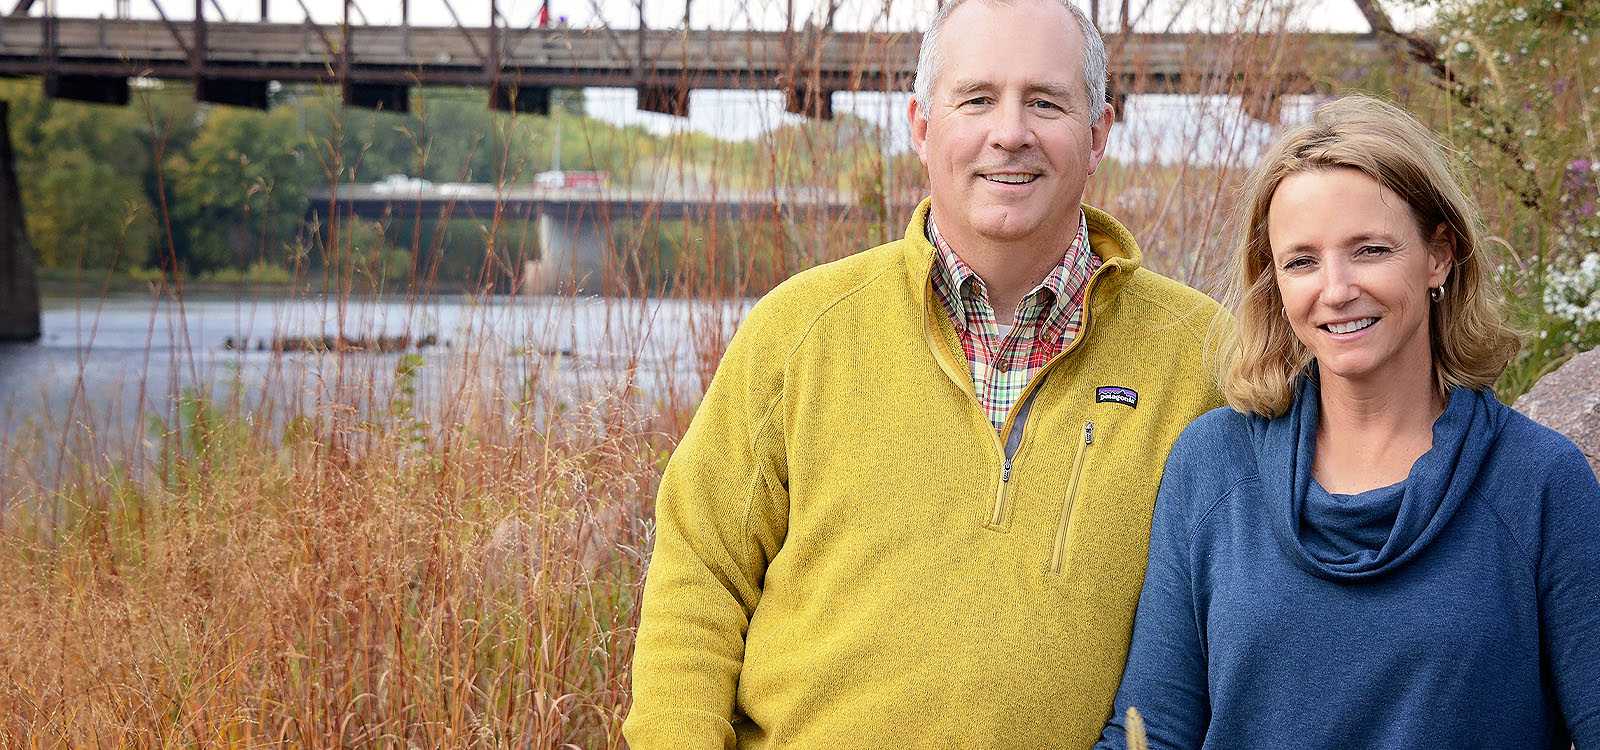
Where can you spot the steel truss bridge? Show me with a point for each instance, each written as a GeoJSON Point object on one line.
{"type": "Point", "coordinates": [233, 62]}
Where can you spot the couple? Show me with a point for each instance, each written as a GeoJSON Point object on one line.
{"type": "Point", "coordinates": [929, 482]}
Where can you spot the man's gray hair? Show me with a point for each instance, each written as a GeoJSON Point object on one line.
{"type": "Point", "coordinates": [1094, 56]}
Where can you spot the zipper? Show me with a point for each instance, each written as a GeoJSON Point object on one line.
{"type": "Point", "coordinates": [1000, 494]}
{"type": "Point", "coordinates": [1058, 555]}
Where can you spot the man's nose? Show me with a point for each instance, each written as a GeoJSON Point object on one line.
{"type": "Point", "coordinates": [1010, 130]}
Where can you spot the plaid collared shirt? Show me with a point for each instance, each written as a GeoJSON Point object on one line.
{"type": "Point", "coordinates": [1048, 319]}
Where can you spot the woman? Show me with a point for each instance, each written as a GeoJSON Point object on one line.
{"type": "Point", "coordinates": [1367, 550]}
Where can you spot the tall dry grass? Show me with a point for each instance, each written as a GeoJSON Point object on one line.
{"type": "Point", "coordinates": [351, 556]}
{"type": "Point", "coordinates": [338, 584]}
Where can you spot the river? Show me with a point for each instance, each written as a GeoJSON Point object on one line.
{"type": "Point", "coordinates": [113, 367]}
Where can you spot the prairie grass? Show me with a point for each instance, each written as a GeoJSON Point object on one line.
{"type": "Point", "coordinates": [336, 584]}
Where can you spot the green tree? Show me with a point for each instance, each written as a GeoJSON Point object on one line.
{"type": "Point", "coordinates": [239, 193]}
{"type": "Point", "coordinates": [86, 172]}
{"type": "Point", "coordinates": [86, 214]}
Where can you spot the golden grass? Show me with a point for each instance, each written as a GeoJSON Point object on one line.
{"type": "Point", "coordinates": [339, 586]}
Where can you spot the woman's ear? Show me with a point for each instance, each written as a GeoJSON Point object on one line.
{"type": "Point", "coordinates": [1441, 255]}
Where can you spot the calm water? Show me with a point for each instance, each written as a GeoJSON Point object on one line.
{"type": "Point", "coordinates": [100, 360]}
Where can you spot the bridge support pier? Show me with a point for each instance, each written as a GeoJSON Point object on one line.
{"type": "Point", "coordinates": [572, 259]}
{"type": "Point", "coordinates": [87, 88]}
{"type": "Point", "coordinates": [813, 102]}
{"type": "Point", "coordinates": [19, 287]}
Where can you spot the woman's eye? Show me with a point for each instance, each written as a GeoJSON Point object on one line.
{"type": "Point", "coordinates": [1296, 263]}
{"type": "Point", "coordinates": [1376, 249]}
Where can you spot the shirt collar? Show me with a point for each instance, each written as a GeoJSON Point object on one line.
{"type": "Point", "coordinates": [963, 286]}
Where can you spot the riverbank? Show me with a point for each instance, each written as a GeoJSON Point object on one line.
{"type": "Point", "coordinates": [63, 284]}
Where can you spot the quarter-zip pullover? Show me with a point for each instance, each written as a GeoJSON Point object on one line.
{"type": "Point", "coordinates": [864, 562]}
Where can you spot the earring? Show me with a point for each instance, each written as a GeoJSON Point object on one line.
{"type": "Point", "coordinates": [1436, 293]}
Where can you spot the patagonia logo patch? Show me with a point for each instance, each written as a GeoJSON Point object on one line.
{"type": "Point", "coordinates": [1116, 394]}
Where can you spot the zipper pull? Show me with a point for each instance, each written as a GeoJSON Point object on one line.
{"type": "Point", "coordinates": [1005, 471]}
{"type": "Point", "coordinates": [1088, 433]}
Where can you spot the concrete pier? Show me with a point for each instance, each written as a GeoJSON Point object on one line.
{"type": "Point", "coordinates": [19, 285]}
{"type": "Point", "coordinates": [572, 244]}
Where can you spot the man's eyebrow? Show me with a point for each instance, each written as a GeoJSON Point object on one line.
{"type": "Point", "coordinates": [970, 85]}
{"type": "Point", "coordinates": [1050, 89]}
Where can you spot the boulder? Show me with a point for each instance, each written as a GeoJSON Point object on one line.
{"type": "Point", "coordinates": [1568, 401]}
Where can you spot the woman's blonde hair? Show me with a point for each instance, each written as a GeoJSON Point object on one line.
{"type": "Point", "coordinates": [1261, 359]}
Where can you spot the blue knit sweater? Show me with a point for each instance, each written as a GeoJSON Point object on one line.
{"type": "Point", "coordinates": [1457, 609]}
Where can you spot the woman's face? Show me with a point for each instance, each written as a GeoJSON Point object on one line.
{"type": "Point", "coordinates": [1353, 271]}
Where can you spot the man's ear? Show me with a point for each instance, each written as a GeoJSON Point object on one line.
{"type": "Point", "coordinates": [1441, 255]}
{"type": "Point", "coordinates": [1099, 133]}
{"type": "Point", "coordinates": [917, 118]}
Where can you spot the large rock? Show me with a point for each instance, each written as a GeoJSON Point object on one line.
{"type": "Point", "coordinates": [1568, 401]}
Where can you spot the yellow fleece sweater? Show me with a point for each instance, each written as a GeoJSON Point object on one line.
{"type": "Point", "coordinates": [846, 558]}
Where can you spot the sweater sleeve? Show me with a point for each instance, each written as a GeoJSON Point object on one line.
{"type": "Point", "coordinates": [1569, 593]}
{"type": "Point", "coordinates": [721, 514]}
{"type": "Point", "coordinates": [1165, 677]}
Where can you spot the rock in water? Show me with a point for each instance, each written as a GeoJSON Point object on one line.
{"type": "Point", "coordinates": [1568, 401]}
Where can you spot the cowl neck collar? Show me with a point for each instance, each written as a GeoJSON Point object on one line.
{"type": "Point", "coordinates": [1438, 484]}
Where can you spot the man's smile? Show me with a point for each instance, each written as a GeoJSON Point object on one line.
{"type": "Point", "coordinates": [1010, 178]}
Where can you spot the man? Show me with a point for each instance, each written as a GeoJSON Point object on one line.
{"type": "Point", "coordinates": [914, 507]}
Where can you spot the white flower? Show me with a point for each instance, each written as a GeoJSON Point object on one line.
{"type": "Point", "coordinates": [1519, 13]}
{"type": "Point", "coordinates": [1463, 48]}
{"type": "Point", "coordinates": [1529, 166]}
{"type": "Point", "coordinates": [1574, 294]}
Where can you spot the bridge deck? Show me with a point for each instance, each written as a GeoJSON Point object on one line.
{"type": "Point", "coordinates": [1177, 63]}
{"type": "Point", "coordinates": [478, 200]}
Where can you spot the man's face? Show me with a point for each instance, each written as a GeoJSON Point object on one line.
{"type": "Point", "coordinates": [1006, 136]}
